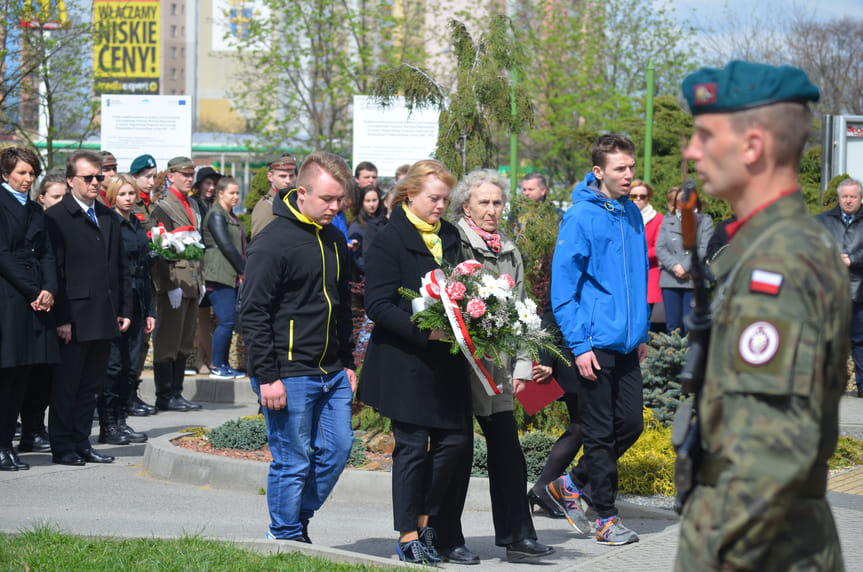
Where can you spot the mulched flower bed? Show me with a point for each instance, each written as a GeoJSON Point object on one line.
{"type": "Point", "coordinates": [374, 461]}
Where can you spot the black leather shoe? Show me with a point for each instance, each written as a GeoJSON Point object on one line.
{"type": "Point", "coordinates": [68, 459]}
{"type": "Point", "coordinates": [35, 443]}
{"type": "Point", "coordinates": [189, 405]}
{"type": "Point", "coordinates": [172, 404]}
{"type": "Point", "coordinates": [539, 505]}
{"type": "Point", "coordinates": [113, 435]}
{"type": "Point", "coordinates": [93, 456]}
{"type": "Point", "coordinates": [527, 549]}
{"type": "Point", "coordinates": [458, 555]}
{"type": "Point", "coordinates": [135, 410]}
{"type": "Point", "coordinates": [141, 404]}
{"type": "Point", "coordinates": [134, 436]}
{"type": "Point", "coordinates": [7, 463]}
{"type": "Point", "coordinates": [22, 466]}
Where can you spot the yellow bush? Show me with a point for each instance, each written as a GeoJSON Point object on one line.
{"type": "Point", "coordinates": [647, 468]}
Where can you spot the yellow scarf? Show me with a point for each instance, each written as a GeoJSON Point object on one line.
{"type": "Point", "coordinates": [300, 216]}
{"type": "Point", "coordinates": [428, 233]}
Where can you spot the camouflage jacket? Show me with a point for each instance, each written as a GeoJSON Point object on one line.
{"type": "Point", "coordinates": [769, 407]}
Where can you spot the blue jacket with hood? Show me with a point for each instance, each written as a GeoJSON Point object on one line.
{"type": "Point", "coordinates": [599, 273]}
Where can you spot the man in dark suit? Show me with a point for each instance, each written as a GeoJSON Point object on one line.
{"type": "Point", "coordinates": [92, 305]}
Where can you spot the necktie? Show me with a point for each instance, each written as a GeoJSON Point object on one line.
{"type": "Point", "coordinates": [847, 219]}
{"type": "Point", "coordinates": [92, 214]}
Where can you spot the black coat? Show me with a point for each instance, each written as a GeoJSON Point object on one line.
{"type": "Point", "coordinates": [406, 377]}
{"type": "Point", "coordinates": [136, 246]}
{"type": "Point", "coordinates": [27, 267]}
{"type": "Point", "coordinates": [94, 286]}
{"type": "Point", "coordinates": [849, 239]}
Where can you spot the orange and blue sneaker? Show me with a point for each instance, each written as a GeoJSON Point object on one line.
{"type": "Point", "coordinates": [568, 498]}
{"type": "Point", "coordinates": [611, 531]}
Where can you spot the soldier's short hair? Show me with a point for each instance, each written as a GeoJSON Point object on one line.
{"type": "Point", "coordinates": [91, 157]}
{"type": "Point", "coordinates": [789, 122]}
{"type": "Point", "coordinates": [327, 162]}
{"type": "Point", "coordinates": [607, 144]}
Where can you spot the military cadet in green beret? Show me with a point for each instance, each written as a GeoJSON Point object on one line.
{"type": "Point", "coordinates": [768, 410]}
{"type": "Point", "coordinates": [179, 287]}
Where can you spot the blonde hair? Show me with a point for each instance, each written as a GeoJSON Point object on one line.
{"type": "Point", "coordinates": [417, 176]}
{"type": "Point", "coordinates": [116, 183]}
{"type": "Point", "coordinates": [327, 162]}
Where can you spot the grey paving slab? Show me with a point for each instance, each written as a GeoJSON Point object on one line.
{"type": "Point", "coordinates": [125, 499]}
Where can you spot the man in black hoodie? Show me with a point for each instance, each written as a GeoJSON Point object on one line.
{"type": "Point", "coordinates": [296, 321]}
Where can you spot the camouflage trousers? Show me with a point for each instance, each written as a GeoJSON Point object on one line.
{"type": "Point", "coordinates": [805, 540]}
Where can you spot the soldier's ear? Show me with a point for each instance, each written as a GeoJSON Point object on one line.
{"type": "Point", "coordinates": [755, 142]}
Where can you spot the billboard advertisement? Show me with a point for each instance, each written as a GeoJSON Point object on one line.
{"type": "Point", "coordinates": [126, 52]}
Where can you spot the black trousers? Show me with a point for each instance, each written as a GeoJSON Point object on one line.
{"type": "Point", "coordinates": [124, 361]}
{"type": "Point", "coordinates": [78, 380]}
{"type": "Point", "coordinates": [36, 399]}
{"type": "Point", "coordinates": [610, 409]}
{"type": "Point", "coordinates": [430, 466]}
{"type": "Point", "coordinates": [507, 479]}
{"type": "Point", "coordinates": [13, 383]}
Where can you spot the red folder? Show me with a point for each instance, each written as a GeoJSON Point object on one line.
{"type": "Point", "coordinates": [535, 396]}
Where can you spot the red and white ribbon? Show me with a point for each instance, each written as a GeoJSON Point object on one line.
{"type": "Point", "coordinates": [433, 289]}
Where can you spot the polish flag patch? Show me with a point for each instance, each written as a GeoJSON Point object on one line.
{"type": "Point", "coordinates": [765, 282]}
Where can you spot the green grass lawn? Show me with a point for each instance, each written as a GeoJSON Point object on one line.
{"type": "Point", "coordinates": [46, 549]}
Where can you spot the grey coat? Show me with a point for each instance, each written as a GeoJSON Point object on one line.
{"type": "Point", "coordinates": [669, 249]}
{"type": "Point", "coordinates": [850, 241]}
{"type": "Point", "coordinates": [507, 261]}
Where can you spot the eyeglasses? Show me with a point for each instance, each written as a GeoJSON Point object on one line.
{"type": "Point", "coordinates": [89, 178]}
{"type": "Point", "coordinates": [638, 197]}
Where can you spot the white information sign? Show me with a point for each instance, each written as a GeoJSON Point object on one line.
{"type": "Point", "coordinates": [157, 125]}
{"type": "Point", "coordinates": [391, 136]}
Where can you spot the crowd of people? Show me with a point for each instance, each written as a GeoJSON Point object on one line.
{"type": "Point", "coordinates": [83, 291]}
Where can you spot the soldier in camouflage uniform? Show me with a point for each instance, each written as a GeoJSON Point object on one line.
{"type": "Point", "coordinates": [768, 410]}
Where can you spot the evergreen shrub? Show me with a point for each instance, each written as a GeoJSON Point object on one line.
{"type": "Point", "coordinates": [536, 446]}
{"type": "Point", "coordinates": [647, 468]}
{"type": "Point", "coordinates": [660, 370]}
{"type": "Point", "coordinates": [357, 458]}
{"type": "Point", "coordinates": [479, 468]}
{"type": "Point", "coordinates": [247, 433]}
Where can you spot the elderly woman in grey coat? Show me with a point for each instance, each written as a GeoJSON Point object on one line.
{"type": "Point", "coordinates": [674, 263]}
{"type": "Point", "coordinates": [476, 208]}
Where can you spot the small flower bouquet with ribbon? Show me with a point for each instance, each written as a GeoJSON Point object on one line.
{"type": "Point", "coordinates": [183, 243]}
{"type": "Point", "coordinates": [480, 312]}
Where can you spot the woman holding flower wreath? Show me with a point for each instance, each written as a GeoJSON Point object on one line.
{"type": "Point", "coordinates": [411, 377]}
{"type": "Point", "coordinates": [476, 206]}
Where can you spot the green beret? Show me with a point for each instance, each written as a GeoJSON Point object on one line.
{"type": "Point", "coordinates": [178, 163]}
{"type": "Point", "coordinates": [142, 162]}
{"type": "Point", "coordinates": [744, 85]}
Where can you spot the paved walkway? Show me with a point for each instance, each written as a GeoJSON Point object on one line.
{"type": "Point", "coordinates": [125, 499]}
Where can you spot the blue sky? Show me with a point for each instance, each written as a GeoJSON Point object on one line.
{"type": "Point", "coordinates": [711, 10]}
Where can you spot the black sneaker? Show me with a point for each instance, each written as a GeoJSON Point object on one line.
{"type": "Point", "coordinates": [413, 552]}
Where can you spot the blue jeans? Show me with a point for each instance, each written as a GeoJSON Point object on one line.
{"type": "Point", "coordinates": [310, 441]}
{"type": "Point", "coordinates": [224, 301]}
{"type": "Point", "coordinates": [677, 302]}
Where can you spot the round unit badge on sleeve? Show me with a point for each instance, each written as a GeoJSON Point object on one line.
{"type": "Point", "coordinates": [758, 343]}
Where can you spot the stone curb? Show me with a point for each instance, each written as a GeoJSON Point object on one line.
{"type": "Point", "coordinates": [164, 460]}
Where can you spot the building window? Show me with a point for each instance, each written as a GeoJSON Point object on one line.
{"type": "Point", "coordinates": [173, 31]}
{"type": "Point", "coordinates": [182, 52]}
{"type": "Point", "coordinates": [173, 9]}
{"type": "Point", "coordinates": [173, 52]}
{"type": "Point", "coordinates": [173, 74]}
